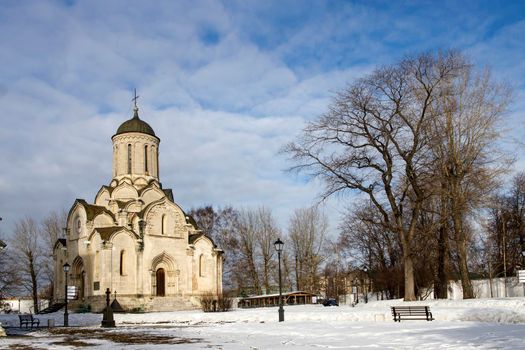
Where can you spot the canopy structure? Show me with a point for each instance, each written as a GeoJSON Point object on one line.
{"type": "Point", "coordinates": [289, 298]}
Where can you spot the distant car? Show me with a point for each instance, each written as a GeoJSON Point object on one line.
{"type": "Point", "coordinates": [330, 302]}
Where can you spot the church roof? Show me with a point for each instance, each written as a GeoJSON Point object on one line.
{"type": "Point", "coordinates": [135, 124]}
{"type": "Point", "coordinates": [106, 232]}
{"type": "Point", "coordinates": [61, 241]}
{"type": "Point", "coordinates": [192, 238]}
{"type": "Point", "coordinates": [93, 210]}
{"type": "Point", "coordinates": [169, 193]}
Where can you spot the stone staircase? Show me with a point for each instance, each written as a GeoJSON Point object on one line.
{"type": "Point", "coordinates": [52, 308]}
{"type": "Point", "coordinates": [169, 303]}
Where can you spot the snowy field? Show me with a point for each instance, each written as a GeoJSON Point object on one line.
{"type": "Point", "coordinates": [470, 324]}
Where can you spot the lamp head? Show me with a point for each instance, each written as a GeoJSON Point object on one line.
{"type": "Point", "coordinates": [66, 267]}
{"type": "Point", "coordinates": [278, 245]}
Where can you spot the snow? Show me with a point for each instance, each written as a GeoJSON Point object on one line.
{"type": "Point", "coordinates": [466, 324]}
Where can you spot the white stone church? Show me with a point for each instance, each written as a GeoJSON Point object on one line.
{"type": "Point", "coordinates": [135, 240]}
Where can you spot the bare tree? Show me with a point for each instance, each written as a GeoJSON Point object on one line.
{"type": "Point", "coordinates": [28, 253]}
{"type": "Point", "coordinates": [468, 109]}
{"type": "Point", "coordinates": [255, 233]}
{"type": "Point", "coordinates": [374, 140]}
{"type": "Point", "coordinates": [8, 275]}
{"type": "Point", "coordinates": [267, 233]}
{"type": "Point", "coordinates": [246, 231]}
{"type": "Point", "coordinates": [505, 240]}
{"type": "Point", "coordinates": [51, 229]}
{"type": "Point", "coordinates": [307, 231]}
{"type": "Point", "coordinates": [368, 244]}
{"type": "Point", "coordinates": [221, 226]}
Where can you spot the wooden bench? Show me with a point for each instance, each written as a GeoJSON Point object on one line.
{"type": "Point", "coordinates": [28, 320]}
{"type": "Point", "coordinates": [411, 313]}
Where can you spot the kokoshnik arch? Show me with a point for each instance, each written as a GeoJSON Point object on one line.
{"type": "Point", "coordinates": [135, 240]}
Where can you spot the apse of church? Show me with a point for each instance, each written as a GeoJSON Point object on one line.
{"type": "Point", "coordinates": [134, 239]}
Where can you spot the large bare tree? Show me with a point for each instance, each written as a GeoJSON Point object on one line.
{"type": "Point", "coordinates": [468, 107]}
{"type": "Point", "coordinates": [374, 140]}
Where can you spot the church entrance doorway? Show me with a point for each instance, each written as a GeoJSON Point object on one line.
{"type": "Point", "coordinates": [161, 291]}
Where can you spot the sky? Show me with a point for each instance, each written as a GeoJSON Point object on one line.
{"type": "Point", "coordinates": [224, 84]}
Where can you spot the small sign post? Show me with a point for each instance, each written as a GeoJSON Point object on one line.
{"type": "Point", "coordinates": [521, 276]}
{"type": "Point", "coordinates": [72, 293]}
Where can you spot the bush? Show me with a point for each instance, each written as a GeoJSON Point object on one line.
{"type": "Point", "coordinates": [139, 309]}
{"type": "Point", "coordinates": [207, 302]}
{"type": "Point", "coordinates": [83, 308]}
{"type": "Point", "coordinates": [212, 303]}
{"type": "Point", "coordinates": [224, 303]}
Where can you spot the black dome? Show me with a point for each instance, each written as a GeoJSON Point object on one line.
{"type": "Point", "coordinates": [135, 124]}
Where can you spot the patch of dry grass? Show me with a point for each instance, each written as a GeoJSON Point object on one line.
{"type": "Point", "coordinates": [73, 334]}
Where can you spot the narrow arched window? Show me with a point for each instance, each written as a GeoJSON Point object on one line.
{"type": "Point", "coordinates": [129, 159]}
{"type": "Point", "coordinates": [146, 158]}
{"type": "Point", "coordinates": [155, 158]}
{"type": "Point", "coordinates": [201, 265]}
{"type": "Point", "coordinates": [164, 227]}
{"type": "Point", "coordinates": [122, 262]}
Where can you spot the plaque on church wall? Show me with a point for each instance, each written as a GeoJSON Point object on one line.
{"type": "Point", "coordinates": [96, 285]}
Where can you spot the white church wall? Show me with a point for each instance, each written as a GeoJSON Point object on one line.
{"type": "Point", "coordinates": [124, 192]}
{"type": "Point", "coordinates": [77, 222]}
{"type": "Point", "coordinates": [103, 220]}
{"type": "Point", "coordinates": [96, 272]}
{"type": "Point", "coordinates": [124, 264]}
{"type": "Point", "coordinates": [205, 266]}
{"type": "Point", "coordinates": [102, 198]}
{"type": "Point", "coordinates": [152, 194]}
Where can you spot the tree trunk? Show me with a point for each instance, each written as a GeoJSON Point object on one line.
{"type": "Point", "coordinates": [34, 284]}
{"type": "Point", "coordinates": [441, 283]}
{"type": "Point", "coordinates": [253, 275]}
{"type": "Point", "coordinates": [461, 242]}
{"type": "Point", "coordinates": [442, 263]}
{"type": "Point", "coordinates": [409, 272]}
{"type": "Point", "coordinates": [267, 276]}
{"type": "Point", "coordinates": [297, 279]}
{"type": "Point", "coordinates": [468, 292]}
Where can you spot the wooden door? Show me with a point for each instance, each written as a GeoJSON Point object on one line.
{"type": "Point", "coordinates": [161, 291]}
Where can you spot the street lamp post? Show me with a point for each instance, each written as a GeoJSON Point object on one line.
{"type": "Point", "coordinates": [66, 315]}
{"type": "Point", "coordinates": [356, 286]}
{"type": "Point", "coordinates": [279, 247]}
{"type": "Point", "coordinates": [365, 284]}
{"type": "Point", "coordinates": [523, 264]}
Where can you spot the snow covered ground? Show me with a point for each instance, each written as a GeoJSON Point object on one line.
{"type": "Point", "coordinates": [469, 324]}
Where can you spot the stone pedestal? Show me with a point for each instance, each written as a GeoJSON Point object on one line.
{"type": "Point", "coordinates": [107, 319]}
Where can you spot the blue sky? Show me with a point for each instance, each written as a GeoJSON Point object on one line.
{"type": "Point", "coordinates": [224, 85]}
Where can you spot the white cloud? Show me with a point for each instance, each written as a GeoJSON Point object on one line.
{"type": "Point", "coordinates": [224, 86]}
